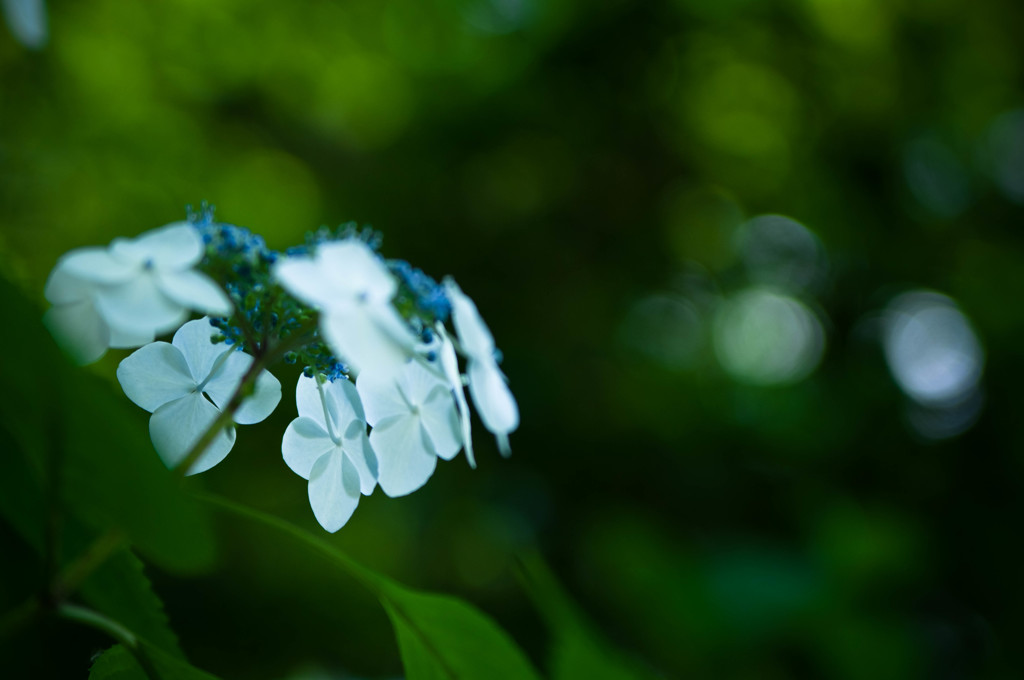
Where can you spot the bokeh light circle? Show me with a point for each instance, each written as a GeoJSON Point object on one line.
{"type": "Point", "coordinates": [932, 351]}
{"type": "Point", "coordinates": [764, 337]}
{"type": "Point", "coordinates": [779, 251]}
{"type": "Point", "coordinates": [666, 328]}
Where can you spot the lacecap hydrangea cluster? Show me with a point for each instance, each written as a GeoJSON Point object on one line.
{"type": "Point", "coordinates": [380, 390]}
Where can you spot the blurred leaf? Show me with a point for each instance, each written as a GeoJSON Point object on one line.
{"type": "Point", "coordinates": [21, 498]}
{"type": "Point", "coordinates": [118, 588]}
{"type": "Point", "coordinates": [439, 636]}
{"type": "Point", "coordinates": [579, 650]}
{"type": "Point", "coordinates": [112, 477]}
{"type": "Point", "coordinates": [60, 418]}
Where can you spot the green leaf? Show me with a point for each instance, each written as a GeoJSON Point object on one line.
{"type": "Point", "coordinates": [113, 478]}
{"type": "Point", "coordinates": [118, 663]}
{"type": "Point", "coordinates": [21, 495]}
{"type": "Point", "coordinates": [72, 433]}
{"type": "Point", "coordinates": [133, 657]}
{"type": "Point", "coordinates": [440, 637]}
{"type": "Point", "coordinates": [443, 637]}
{"type": "Point", "coordinates": [121, 590]}
{"type": "Point", "coordinates": [118, 587]}
{"type": "Point", "coordinates": [579, 650]}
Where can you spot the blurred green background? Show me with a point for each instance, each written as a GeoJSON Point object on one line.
{"type": "Point", "coordinates": [746, 451]}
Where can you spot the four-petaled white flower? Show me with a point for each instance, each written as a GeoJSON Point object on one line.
{"type": "Point", "coordinates": [487, 384]}
{"type": "Point", "coordinates": [130, 292]}
{"type": "Point", "coordinates": [327, 444]}
{"type": "Point", "coordinates": [414, 421]}
{"type": "Point", "coordinates": [352, 289]}
{"type": "Point", "coordinates": [185, 384]}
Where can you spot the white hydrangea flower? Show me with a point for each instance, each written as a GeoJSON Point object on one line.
{"type": "Point", "coordinates": [185, 384]}
{"type": "Point", "coordinates": [130, 292]}
{"type": "Point", "coordinates": [352, 289]}
{"type": "Point", "coordinates": [487, 384]}
{"type": "Point", "coordinates": [76, 324]}
{"type": "Point", "coordinates": [327, 444]}
{"type": "Point", "coordinates": [414, 422]}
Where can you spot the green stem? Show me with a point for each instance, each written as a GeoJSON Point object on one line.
{"type": "Point", "coordinates": [227, 414]}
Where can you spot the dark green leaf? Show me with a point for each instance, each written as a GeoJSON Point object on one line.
{"type": "Point", "coordinates": [72, 432]}
{"type": "Point", "coordinates": [118, 587]}
{"type": "Point", "coordinates": [440, 637]}
{"type": "Point", "coordinates": [121, 590]}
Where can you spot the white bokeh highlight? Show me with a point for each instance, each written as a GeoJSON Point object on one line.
{"type": "Point", "coordinates": [932, 351]}
{"type": "Point", "coordinates": [764, 337]}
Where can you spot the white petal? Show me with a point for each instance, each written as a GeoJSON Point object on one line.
{"type": "Point", "coordinates": [474, 336]}
{"type": "Point", "coordinates": [442, 423]}
{"type": "Point", "coordinates": [172, 247]}
{"type": "Point", "coordinates": [138, 306]}
{"type": "Point", "coordinates": [227, 374]}
{"type": "Point", "coordinates": [503, 445]}
{"type": "Point", "coordinates": [63, 287]}
{"type": "Point", "coordinates": [418, 382]}
{"type": "Point", "coordinates": [262, 402]}
{"type": "Point", "coordinates": [450, 366]}
{"type": "Point", "coordinates": [176, 426]}
{"type": "Point", "coordinates": [494, 401]}
{"type": "Point", "coordinates": [303, 443]}
{"type": "Point", "coordinates": [27, 21]}
{"type": "Point", "coordinates": [354, 270]}
{"type": "Point", "coordinates": [193, 339]}
{"type": "Point", "coordinates": [194, 290]}
{"type": "Point", "coordinates": [301, 277]}
{"type": "Point", "coordinates": [78, 330]}
{"type": "Point", "coordinates": [380, 396]}
{"type": "Point", "coordinates": [99, 265]}
{"type": "Point", "coordinates": [308, 402]}
{"type": "Point", "coordinates": [344, 404]}
{"type": "Point", "coordinates": [155, 375]}
{"type": "Point", "coordinates": [333, 490]}
{"type": "Point", "coordinates": [369, 337]}
{"type": "Point", "coordinates": [404, 456]}
{"type": "Point", "coordinates": [358, 449]}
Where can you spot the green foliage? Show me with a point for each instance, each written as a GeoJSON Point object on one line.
{"type": "Point", "coordinates": [80, 442]}
{"type": "Point", "coordinates": [120, 589]}
{"type": "Point", "coordinates": [570, 163]}
{"type": "Point", "coordinates": [146, 663]}
{"type": "Point", "coordinates": [440, 637]}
